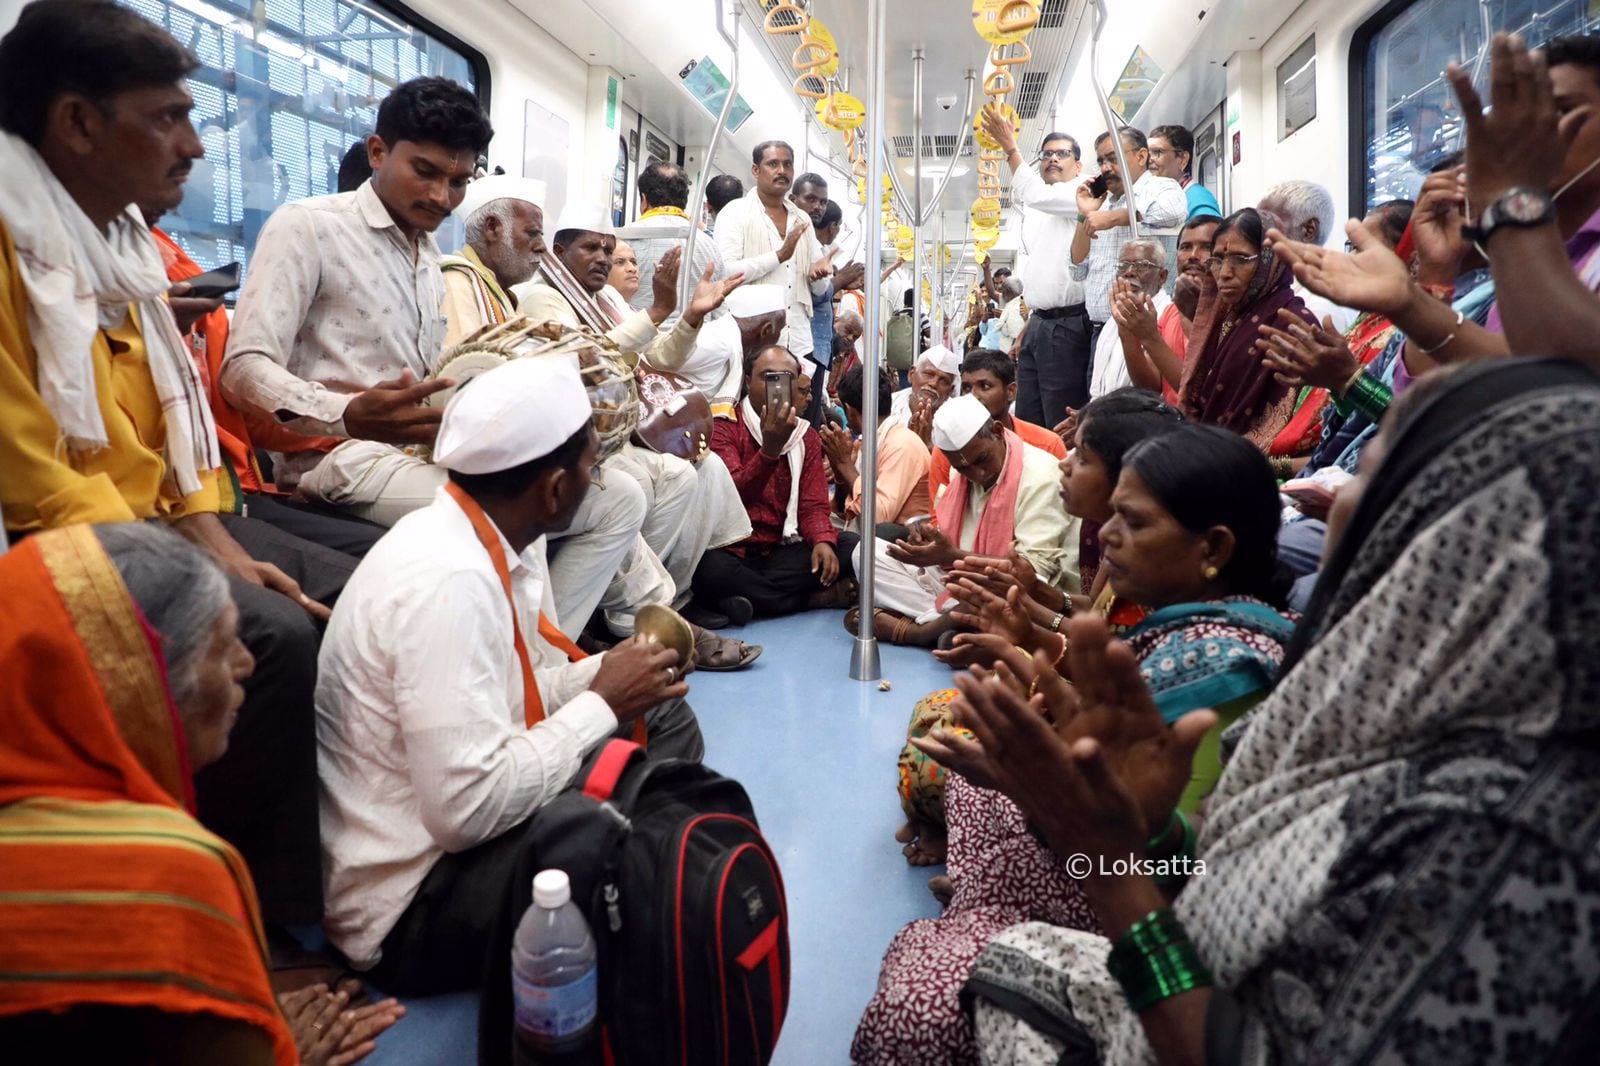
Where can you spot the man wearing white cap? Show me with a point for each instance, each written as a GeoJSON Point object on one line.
{"type": "Point", "coordinates": [690, 506]}
{"type": "Point", "coordinates": [755, 320]}
{"type": "Point", "coordinates": [504, 240]}
{"type": "Point", "coordinates": [1003, 496]}
{"type": "Point", "coordinates": [339, 322]}
{"type": "Point", "coordinates": [449, 706]}
{"type": "Point", "coordinates": [933, 379]}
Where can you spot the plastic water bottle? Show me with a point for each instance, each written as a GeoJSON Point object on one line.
{"type": "Point", "coordinates": [553, 978]}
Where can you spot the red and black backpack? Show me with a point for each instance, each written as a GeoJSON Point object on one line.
{"type": "Point", "coordinates": [686, 904]}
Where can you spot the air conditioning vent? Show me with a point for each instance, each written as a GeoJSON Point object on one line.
{"type": "Point", "coordinates": [903, 146]}
{"type": "Point", "coordinates": [1030, 93]}
{"type": "Point", "coordinates": [1053, 14]}
{"type": "Point", "coordinates": [940, 145]}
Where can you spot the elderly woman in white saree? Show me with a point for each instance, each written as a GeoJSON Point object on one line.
{"type": "Point", "coordinates": [1402, 858]}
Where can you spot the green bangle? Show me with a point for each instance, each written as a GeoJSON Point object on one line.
{"type": "Point", "coordinates": [1370, 396]}
{"type": "Point", "coordinates": [1155, 960]}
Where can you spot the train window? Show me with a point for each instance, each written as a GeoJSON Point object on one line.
{"type": "Point", "coordinates": [1408, 120]}
{"type": "Point", "coordinates": [285, 87]}
{"type": "Point", "coordinates": [1297, 88]}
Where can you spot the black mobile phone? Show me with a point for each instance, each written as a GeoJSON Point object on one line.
{"type": "Point", "coordinates": [780, 387]}
{"type": "Point", "coordinates": [218, 282]}
{"type": "Point", "coordinates": [1098, 186]}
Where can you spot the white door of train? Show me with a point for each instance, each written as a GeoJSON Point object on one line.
{"type": "Point", "coordinates": [1213, 157]}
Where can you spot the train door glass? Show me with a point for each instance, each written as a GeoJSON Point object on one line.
{"type": "Point", "coordinates": [284, 89]}
{"type": "Point", "coordinates": [1211, 156]}
{"type": "Point", "coordinates": [1409, 120]}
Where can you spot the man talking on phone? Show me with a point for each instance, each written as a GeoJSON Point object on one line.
{"type": "Point", "coordinates": [1054, 352]}
{"type": "Point", "coordinates": [794, 559]}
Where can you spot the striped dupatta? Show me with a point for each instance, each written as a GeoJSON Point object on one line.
{"type": "Point", "coordinates": [111, 893]}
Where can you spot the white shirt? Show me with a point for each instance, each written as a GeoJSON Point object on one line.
{"type": "Point", "coordinates": [336, 301]}
{"type": "Point", "coordinates": [1044, 535]}
{"type": "Point", "coordinates": [717, 362]}
{"type": "Point", "coordinates": [1162, 205]}
{"type": "Point", "coordinates": [1011, 322]}
{"type": "Point", "coordinates": [1110, 368]}
{"type": "Point", "coordinates": [746, 236]}
{"type": "Point", "coordinates": [1343, 317]}
{"type": "Point", "coordinates": [651, 238]}
{"type": "Point", "coordinates": [900, 406]}
{"type": "Point", "coordinates": [421, 748]}
{"type": "Point", "coordinates": [1047, 229]}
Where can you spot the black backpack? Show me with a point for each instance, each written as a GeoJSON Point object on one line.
{"type": "Point", "coordinates": [687, 908]}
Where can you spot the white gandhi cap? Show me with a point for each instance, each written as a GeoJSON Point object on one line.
{"type": "Point", "coordinates": [957, 421]}
{"type": "Point", "coordinates": [943, 359]}
{"type": "Point", "coordinates": [485, 191]}
{"type": "Point", "coordinates": [753, 301]}
{"type": "Point", "coordinates": [584, 215]}
{"type": "Point", "coordinates": [512, 415]}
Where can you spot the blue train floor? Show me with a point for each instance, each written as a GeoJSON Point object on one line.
{"type": "Point", "coordinates": [816, 752]}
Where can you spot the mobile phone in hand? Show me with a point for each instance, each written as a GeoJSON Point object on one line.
{"type": "Point", "coordinates": [218, 282]}
{"type": "Point", "coordinates": [780, 388]}
{"type": "Point", "coordinates": [1097, 187]}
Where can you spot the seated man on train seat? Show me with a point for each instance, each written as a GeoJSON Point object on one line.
{"type": "Point", "coordinates": [690, 506]}
{"type": "Point", "coordinates": [992, 377]}
{"type": "Point", "coordinates": [902, 487]}
{"type": "Point", "coordinates": [450, 708]}
{"type": "Point", "coordinates": [793, 559]}
{"type": "Point", "coordinates": [339, 322]}
{"type": "Point", "coordinates": [1004, 496]}
{"type": "Point", "coordinates": [1138, 300]}
{"type": "Point", "coordinates": [504, 240]}
{"type": "Point", "coordinates": [932, 381]}
{"type": "Point", "coordinates": [623, 284]}
{"type": "Point", "coordinates": [1307, 211]}
{"type": "Point", "coordinates": [755, 319]}
{"type": "Point", "coordinates": [721, 191]}
{"type": "Point", "coordinates": [104, 409]}
{"type": "Point", "coordinates": [244, 489]}
{"type": "Point", "coordinates": [1172, 156]}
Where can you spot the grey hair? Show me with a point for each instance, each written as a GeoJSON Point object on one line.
{"type": "Point", "coordinates": [849, 317]}
{"type": "Point", "coordinates": [177, 587]}
{"type": "Point", "coordinates": [1157, 250]}
{"type": "Point", "coordinates": [503, 209]}
{"type": "Point", "coordinates": [1298, 202]}
{"type": "Point", "coordinates": [1012, 286]}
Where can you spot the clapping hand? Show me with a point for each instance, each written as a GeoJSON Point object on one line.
{"type": "Point", "coordinates": [1134, 311]}
{"type": "Point", "coordinates": [1067, 428]}
{"type": "Point", "coordinates": [1300, 355]}
{"type": "Point", "coordinates": [921, 422]}
{"type": "Point", "coordinates": [1106, 771]}
{"type": "Point", "coordinates": [1523, 139]}
{"type": "Point", "coordinates": [926, 546]}
{"type": "Point", "coordinates": [1436, 226]}
{"type": "Point", "coordinates": [1003, 615]}
{"type": "Point", "coordinates": [1372, 278]}
{"type": "Point", "coordinates": [838, 446]}
{"type": "Point", "coordinates": [708, 295]}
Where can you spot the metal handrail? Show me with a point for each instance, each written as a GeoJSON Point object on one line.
{"type": "Point", "coordinates": [1113, 123]}
{"type": "Point", "coordinates": [687, 281]}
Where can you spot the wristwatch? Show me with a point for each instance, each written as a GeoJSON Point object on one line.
{"type": "Point", "coordinates": [1521, 207]}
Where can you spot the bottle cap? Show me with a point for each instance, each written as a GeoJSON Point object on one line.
{"type": "Point", "coordinates": [551, 889]}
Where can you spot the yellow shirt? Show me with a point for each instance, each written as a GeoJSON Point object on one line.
{"type": "Point", "coordinates": [44, 487]}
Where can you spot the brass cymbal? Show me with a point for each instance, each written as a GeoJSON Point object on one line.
{"type": "Point", "coordinates": [663, 625]}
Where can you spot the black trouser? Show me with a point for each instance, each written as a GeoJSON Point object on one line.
{"type": "Point", "coordinates": [1053, 364]}
{"type": "Point", "coordinates": [343, 533]}
{"type": "Point", "coordinates": [776, 581]}
{"type": "Point", "coordinates": [261, 796]}
{"type": "Point", "coordinates": [447, 934]}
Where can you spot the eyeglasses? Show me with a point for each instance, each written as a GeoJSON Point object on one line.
{"type": "Point", "coordinates": [1233, 260]}
{"type": "Point", "coordinates": [1133, 266]}
{"type": "Point", "coordinates": [1156, 153]}
{"type": "Point", "coordinates": [1056, 153]}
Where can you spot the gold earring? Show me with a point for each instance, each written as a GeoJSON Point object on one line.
{"type": "Point", "coordinates": [1211, 573]}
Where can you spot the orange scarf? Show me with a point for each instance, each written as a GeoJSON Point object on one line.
{"type": "Point", "coordinates": [110, 892]}
{"type": "Point", "coordinates": [997, 525]}
{"type": "Point", "coordinates": [489, 537]}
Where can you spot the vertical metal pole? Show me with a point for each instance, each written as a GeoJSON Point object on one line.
{"type": "Point", "coordinates": [687, 278]}
{"type": "Point", "coordinates": [1113, 123]}
{"type": "Point", "coordinates": [864, 664]}
{"type": "Point", "coordinates": [916, 198]}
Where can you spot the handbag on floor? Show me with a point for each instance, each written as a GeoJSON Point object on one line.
{"type": "Point", "coordinates": [686, 904]}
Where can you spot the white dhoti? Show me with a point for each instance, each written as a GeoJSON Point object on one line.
{"type": "Point", "coordinates": [911, 590]}
{"type": "Point", "coordinates": [377, 482]}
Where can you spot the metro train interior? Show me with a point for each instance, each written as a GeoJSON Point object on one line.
{"type": "Point", "coordinates": [584, 94]}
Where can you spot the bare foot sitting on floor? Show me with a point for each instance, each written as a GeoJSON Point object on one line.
{"type": "Point", "coordinates": [925, 845]}
{"type": "Point", "coordinates": [943, 889]}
